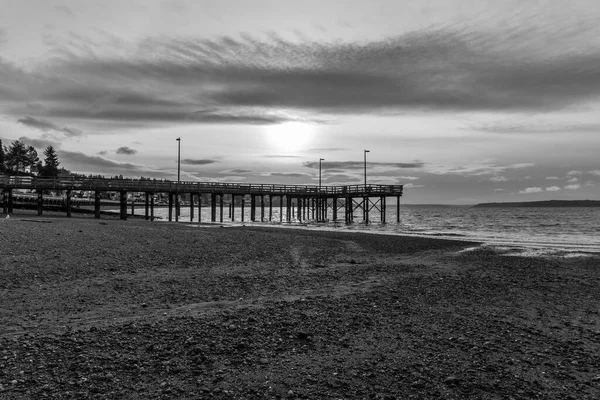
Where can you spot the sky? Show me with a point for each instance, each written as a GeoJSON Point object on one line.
{"type": "Point", "coordinates": [461, 101]}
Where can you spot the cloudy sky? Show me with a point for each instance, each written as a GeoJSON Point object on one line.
{"type": "Point", "coordinates": [463, 101]}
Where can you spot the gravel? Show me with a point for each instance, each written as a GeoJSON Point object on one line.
{"type": "Point", "coordinates": [137, 310]}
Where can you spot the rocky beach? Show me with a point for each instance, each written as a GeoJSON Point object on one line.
{"type": "Point", "coordinates": [110, 309]}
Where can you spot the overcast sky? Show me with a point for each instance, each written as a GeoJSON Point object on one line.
{"type": "Point", "coordinates": [462, 101]}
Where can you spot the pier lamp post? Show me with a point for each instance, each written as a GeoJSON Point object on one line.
{"type": "Point", "coordinates": [366, 151]}
{"type": "Point", "coordinates": [178, 158]}
{"type": "Point", "coordinates": [320, 159]}
{"type": "Point", "coordinates": [178, 173]}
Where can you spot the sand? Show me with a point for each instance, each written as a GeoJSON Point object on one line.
{"type": "Point", "coordinates": [136, 310]}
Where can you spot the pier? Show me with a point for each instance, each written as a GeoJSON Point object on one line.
{"type": "Point", "coordinates": [302, 202]}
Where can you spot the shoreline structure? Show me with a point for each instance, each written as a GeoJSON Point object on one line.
{"type": "Point", "coordinates": [117, 309]}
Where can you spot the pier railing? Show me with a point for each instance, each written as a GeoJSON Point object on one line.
{"type": "Point", "coordinates": [158, 186]}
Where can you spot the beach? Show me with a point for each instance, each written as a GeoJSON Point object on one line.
{"type": "Point", "coordinates": [136, 309]}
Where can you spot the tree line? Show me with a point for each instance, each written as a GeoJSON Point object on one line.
{"type": "Point", "coordinates": [20, 159]}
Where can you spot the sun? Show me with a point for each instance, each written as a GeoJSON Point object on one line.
{"type": "Point", "coordinates": [290, 137]}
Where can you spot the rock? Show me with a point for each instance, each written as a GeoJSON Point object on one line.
{"type": "Point", "coordinates": [452, 380]}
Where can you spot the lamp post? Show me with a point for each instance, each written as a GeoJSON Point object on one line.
{"type": "Point", "coordinates": [320, 159]}
{"type": "Point", "coordinates": [366, 151]}
{"type": "Point", "coordinates": [178, 158]}
{"type": "Point", "coordinates": [178, 176]}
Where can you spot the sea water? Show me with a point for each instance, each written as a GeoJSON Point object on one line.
{"type": "Point", "coordinates": [573, 230]}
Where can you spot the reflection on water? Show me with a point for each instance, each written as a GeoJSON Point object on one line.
{"type": "Point", "coordinates": [569, 228]}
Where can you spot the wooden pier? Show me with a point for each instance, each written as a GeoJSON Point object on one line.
{"type": "Point", "coordinates": [302, 202]}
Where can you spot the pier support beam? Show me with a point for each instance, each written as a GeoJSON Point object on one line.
{"type": "Point", "coordinates": [68, 203]}
{"type": "Point", "coordinates": [40, 201]}
{"type": "Point", "coordinates": [199, 207]}
{"type": "Point", "coordinates": [280, 208]}
{"type": "Point", "coordinates": [151, 206]}
{"type": "Point", "coordinates": [191, 207]}
{"type": "Point", "coordinates": [213, 207]}
{"type": "Point", "coordinates": [97, 204]}
{"type": "Point", "coordinates": [170, 206]}
{"type": "Point", "coordinates": [123, 205]}
{"type": "Point", "coordinates": [335, 209]}
{"type": "Point", "coordinates": [5, 194]}
{"type": "Point", "coordinates": [243, 204]}
{"type": "Point", "coordinates": [262, 208]}
{"type": "Point", "coordinates": [398, 209]}
{"type": "Point", "coordinates": [252, 207]}
{"type": "Point", "coordinates": [177, 207]}
{"type": "Point", "coordinates": [146, 206]}
{"type": "Point", "coordinates": [221, 207]}
{"type": "Point", "coordinates": [270, 208]}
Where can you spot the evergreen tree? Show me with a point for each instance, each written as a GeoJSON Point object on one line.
{"type": "Point", "coordinates": [51, 162]}
{"type": "Point", "coordinates": [32, 158]}
{"type": "Point", "coordinates": [2, 157]}
{"type": "Point", "coordinates": [17, 157]}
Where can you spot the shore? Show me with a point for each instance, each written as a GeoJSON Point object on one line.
{"type": "Point", "coordinates": [137, 310]}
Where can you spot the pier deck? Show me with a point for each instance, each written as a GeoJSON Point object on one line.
{"type": "Point", "coordinates": [303, 202]}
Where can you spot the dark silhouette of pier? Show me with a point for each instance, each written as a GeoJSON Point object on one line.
{"type": "Point", "coordinates": [304, 202]}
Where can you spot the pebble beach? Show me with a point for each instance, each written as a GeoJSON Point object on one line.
{"type": "Point", "coordinates": [111, 309]}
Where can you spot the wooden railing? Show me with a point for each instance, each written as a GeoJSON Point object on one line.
{"type": "Point", "coordinates": [161, 186]}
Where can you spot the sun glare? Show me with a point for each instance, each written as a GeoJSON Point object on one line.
{"type": "Point", "coordinates": [290, 137]}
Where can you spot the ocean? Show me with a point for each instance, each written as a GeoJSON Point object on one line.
{"type": "Point", "coordinates": [568, 231]}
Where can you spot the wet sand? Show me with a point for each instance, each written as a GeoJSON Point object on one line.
{"type": "Point", "coordinates": [136, 310]}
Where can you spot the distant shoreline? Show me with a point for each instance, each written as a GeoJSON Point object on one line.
{"type": "Point", "coordinates": [547, 203]}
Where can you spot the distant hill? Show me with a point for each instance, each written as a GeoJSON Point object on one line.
{"type": "Point", "coordinates": [547, 203]}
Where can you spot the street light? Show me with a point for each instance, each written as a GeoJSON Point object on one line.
{"type": "Point", "coordinates": [177, 211]}
{"type": "Point", "coordinates": [366, 151]}
{"type": "Point", "coordinates": [178, 158]}
{"type": "Point", "coordinates": [320, 159]}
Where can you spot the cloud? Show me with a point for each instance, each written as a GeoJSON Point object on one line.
{"type": "Point", "coordinates": [281, 156]}
{"type": "Point", "coordinates": [572, 187]}
{"type": "Point", "coordinates": [552, 189]}
{"type": "Point", "coordinates": [499, 190]}
{"type": "Point", "coordinates": [249, 80]}
{"type": "Point", "coordinates": [574, 173]}
{"type": "Point", "coordinates": [240, 171]}
{"type": "Point", "coordinates": [552, 178]}
{"type": "Point", "coordinates": [290, 174]}
{"type": "Point", "coordinates": [340, 179]}
{"type": "Point", "coordinates": [412, 186]}
{"type": "Point", "coordinates": [126, 150]}
{"type": "Point", "coordinates": [536, 127]}
{"type": "Point", "coordinates": [327, 149]}
{"type": "Point", "coordinates": [47, 126]}
{"type": "Point", "coordinates": [64, 10]}
{"type": "Point", "coordinates": [573, 180]}
{"type": "Point", "coordinates": [84, 163]}
{"type": "Point", "coordinates": [39, 144]}
{"type": "Point", "coordinates": [190, 161]}
{"type": "Point", "coordinates": [521, 165]}
{"type": "Point", "coordinates": [530, 190]}
{"type": "Point", "coordinates": [498, 179]}
{"type": "Point", "coordinates": [476, 169]}
{"type": "Point", "coordinates": [360, 165]}
{"type": "Point", "coordinates": [595, 172]}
